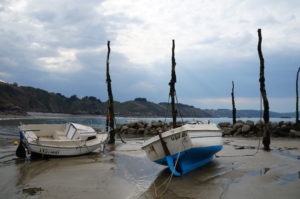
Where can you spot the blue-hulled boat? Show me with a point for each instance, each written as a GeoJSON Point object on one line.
{"type": "Point", "coordinates": [185, 148]}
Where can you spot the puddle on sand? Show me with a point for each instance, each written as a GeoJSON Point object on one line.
{"type": "Point", "coordinates": [259, 172]}
{"type": "Point", "coordinates": [138, 169]}
{"type": "Point", "coordinates": [288, 178]}
{"type": "Point", "coordinates": [286, 154]}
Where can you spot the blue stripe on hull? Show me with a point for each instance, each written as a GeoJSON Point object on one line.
{"type": "Point", "coordinates": [190, 159]}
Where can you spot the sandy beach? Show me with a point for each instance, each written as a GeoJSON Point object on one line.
{"type": "Point", "coordinates": [123, 171]}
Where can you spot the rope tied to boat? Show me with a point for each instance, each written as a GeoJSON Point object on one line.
{"type": "Point", "coordinates": [167, 181]}
{"type": "Point", "coordinates": [259, 138]}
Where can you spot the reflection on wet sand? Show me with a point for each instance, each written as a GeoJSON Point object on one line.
{"type": "Point", "coordinates": [123, 171]}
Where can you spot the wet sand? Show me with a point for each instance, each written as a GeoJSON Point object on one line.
{"type": "Point", "coordinates": [123, 171]}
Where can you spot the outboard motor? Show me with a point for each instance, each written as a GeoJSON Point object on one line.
{"type": "Point", "coordinates": [21, 152]}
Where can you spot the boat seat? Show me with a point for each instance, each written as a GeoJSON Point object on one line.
{"type": "Point", "coordinates": [45, 138]}
{"type": "Point", "coordinates": [59, 135]}
{"type": "Point", "coordinates": [31, 136]}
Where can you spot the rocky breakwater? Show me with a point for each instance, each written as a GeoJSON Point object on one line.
{"type": "Point", "coordinates": [240, 128]}
{"type": "Point", "coordinates": [250, 129]}
{"type": "Point", "coordinates": [144, 128]}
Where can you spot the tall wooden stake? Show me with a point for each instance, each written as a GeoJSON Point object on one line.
{"type": "Point", "coordinates": [172, 86]}
{"type": "Point", "coordinates": [233, 104]}
{"type": "Point", "coordinates": [266, 133]}
{"type": "Point", "coordinates": [297, 97]}
{"type": "Point", "coordinates": [110, 100]}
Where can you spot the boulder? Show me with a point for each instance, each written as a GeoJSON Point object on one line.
{"type": "Point", "coordinates": [124, 128]}
{"type": "Point", "coordinates": [227, 131]}
{"type": "Point", "coordinates": [131, 130]}
{"type": "Point", "coordinates": [224, 124]}
{"type": "Point", "coordinates": [294, 133]}
{"type": "Point", "coordinates": [245, 129]}
{"type": "Point", "coordinates": [238, 132]}
{"type": "Point", "coordinates": [236, 126]}
{"type": "Point", "coordinates": [250, 123]}
{"type": "Point", "coordinates": [140, 125]}
{"type": "Point", "coordinates": [156, 124]}
{"type": "Point", "coordinates": [240, 121]}
{"type": "Point", "coordinates": [141, 131]}
{"type": "Point", "coordinates": [147, 132]}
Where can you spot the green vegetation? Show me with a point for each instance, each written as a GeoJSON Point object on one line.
{"type": "Point", "coordinates": [18, 100]}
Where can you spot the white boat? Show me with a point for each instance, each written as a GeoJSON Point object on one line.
{"type": "Point", "coordinates": [68, 139]}
{"type": "Point", "coordinates": [185, 148]}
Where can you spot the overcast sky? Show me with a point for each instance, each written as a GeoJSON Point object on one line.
{"type": "Point", "coordinates": [60, 46]}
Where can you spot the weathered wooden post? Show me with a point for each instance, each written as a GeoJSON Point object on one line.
{"type": "Point", "coordinates": [233, 105]}
{"type": "Point", "coordinates": [266, 116]}
{"type": "Point", "coordinates": [172, 86]}
{"type": "Point", "coordinates": [111, 114]}
{"type": "Point", "coordinates": [297, 98]}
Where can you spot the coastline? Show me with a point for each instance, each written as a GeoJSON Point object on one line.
{"type": "Point", "coordinates": [49, 115]}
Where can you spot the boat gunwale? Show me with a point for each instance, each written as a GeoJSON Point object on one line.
{"type": "Point", "coordinates": [170, 133]}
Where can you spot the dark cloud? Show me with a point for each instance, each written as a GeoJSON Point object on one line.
{"type": "Point", "coordinates": [45, 30]}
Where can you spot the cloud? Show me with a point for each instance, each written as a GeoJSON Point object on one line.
{"type": "Point", "coordinates": [282, 104]}
{"type": "Point", "coordinates": [212, 28]}
{"type": "Point", "coordinates": [65, 62]}
{"type": "Point", "coordinates": [60, 46]}
{"type": "Point", "coordinates": [4, 75]}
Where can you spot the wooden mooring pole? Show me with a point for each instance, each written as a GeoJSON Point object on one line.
{"type": "Point", "coordinates": [266, 116]}
{"type": "Point", "coordinates": [111, 113]}
{"type": "Point", "coordinates": [233, 105]}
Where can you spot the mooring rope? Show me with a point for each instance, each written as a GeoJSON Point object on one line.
{"type": "Point", "coordinates": [259, 138]}
{"type": "Point", "coordinates": [169, 179]}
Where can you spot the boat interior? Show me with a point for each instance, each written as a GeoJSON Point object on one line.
{"type": "Point", "coordinates": [69, 132]}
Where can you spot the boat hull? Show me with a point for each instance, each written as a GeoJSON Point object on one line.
{"type": "Point", "coordinates": [62, 151]}
{"type": "Point", "coordinates": [69, 139]}
{"type": "Point", "coordinates": [189, 160]}
{"type": "Point", "coordinates": [186, 148]}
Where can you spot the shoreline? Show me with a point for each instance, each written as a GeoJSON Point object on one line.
{"type": "Point", "coordinates": [47, 115]}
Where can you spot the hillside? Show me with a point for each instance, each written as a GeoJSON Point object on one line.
{"type": "Point", "coordinates": [17, 100]}
{"type": "Point", "coordinates": [141, 107]}
{"type": "Point", "coordinates": [20, 99]}
{"type": "Point", "coordinates": [244, 113]}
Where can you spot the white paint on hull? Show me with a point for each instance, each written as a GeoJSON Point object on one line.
{"type": "Point", "coordinates": [183, 138]}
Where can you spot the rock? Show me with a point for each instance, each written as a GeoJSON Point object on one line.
{"type": "Point", "coordinates": [240, 121]}
{"type": "Point", "coordinates": [259, 124]}
{"type": "Point", "coordinates": [131, 130]}
{"type": "Point", "coordinates": [224, 124]}
{"type": "Point", "coordinates": [250, 123]}
{"type": "Point", "coordinates": [251, 133]}
{"type": "Point", "coordinates": [156, 124]}
{"type": "Point", "coordinates": [238, 132]}
{"type": "Point", "coordinates": [246, 128]}
{"type": "Point", "coordinates": [236, 126]}
{"type": "Point", "coordinates": [159, 130]}
{"type": "Point", "coordinates": [294, 133]}
{"type": "Point", "coordinates": [284, 129]}
{"type": "Point", "coordinates": [141, 131]}
{"type": "Point", "coordinates": [124, 128]}
{"type": "Point", "coordinates": [147, 132]}
{"type": "Point", "coordinates": [140, 125]}
{"type": "Point", "coordinates": [281, 123]}
{"type": "Point", "coordinates": [227, 131]}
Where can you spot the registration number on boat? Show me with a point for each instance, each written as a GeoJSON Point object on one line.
{"type": "Point", "coordinates": [49, 151]}
{"type": "Point", "coordinates": [178, 136]}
